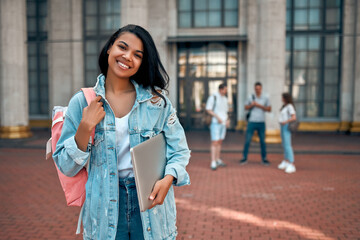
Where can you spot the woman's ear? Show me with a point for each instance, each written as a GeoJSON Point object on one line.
{"type": "Point", "coordinates": [108, 51]}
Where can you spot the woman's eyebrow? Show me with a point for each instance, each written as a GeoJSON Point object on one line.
{"type": "Point", "coordinates": [124, 43]}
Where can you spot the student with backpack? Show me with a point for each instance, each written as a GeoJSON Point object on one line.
{"type": "Point", "coordinates": [217, 107]}
{"type": "Point", "coordinates": [130, 108]}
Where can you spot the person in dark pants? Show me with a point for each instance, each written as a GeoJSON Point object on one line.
{"type": "Point", "coordinates": [257, 104]}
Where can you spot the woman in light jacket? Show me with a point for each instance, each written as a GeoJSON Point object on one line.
{"type": "Point", "coordinates": [287, 115]}
{"type": "Point", "coordinates": [130, 108]}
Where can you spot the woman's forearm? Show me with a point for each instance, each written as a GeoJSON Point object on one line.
{"type": "Point", "coordinates": [82, 136]}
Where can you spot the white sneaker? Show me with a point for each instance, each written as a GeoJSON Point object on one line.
{"type": "Point", "coordinates": [213, 165]}
{"type": "Point", "coordinates": [220, 163]}
{"type": "Point", "coordinates": [283, 165]}
{"type": "Point", "coordinates": [290, 168]}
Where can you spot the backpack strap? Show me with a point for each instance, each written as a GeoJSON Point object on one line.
{"type": "Point", "coordinates": [253, 98]}
{"type": "Point", "coordinates": [214, 103]}
{"type": "Point", "coordinates": [90, 95]}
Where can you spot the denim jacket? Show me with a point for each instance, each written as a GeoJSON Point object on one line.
{"type": "Point", "coordinates": [147, 119]}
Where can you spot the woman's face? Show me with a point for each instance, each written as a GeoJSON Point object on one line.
{"type": "Point", "coordinates": [125, 56]}
{"type": "Point", "coordinates": [283, 99]}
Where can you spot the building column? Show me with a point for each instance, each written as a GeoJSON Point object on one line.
{"type": "Point", "coordinates": [159, 27]}
{"type": "Point", "coordinates": [242, 84]}
{"type": "Point", "coordinates": [270, 59]}
{"type": "Point", "coordinates": [249, 72]}
{"type": "Point", "coordinates": [135, 12]}
{"type": "Point", "coordinates": [242, 63]}
{"type": "Point", "coordinates": [14, 102]}
{"type": "Point", "coordinates": [347, 68]}
{"type": "Point", "coordinates": [66, 55]}
{"type": "Point", "coordinates": [355, 125]}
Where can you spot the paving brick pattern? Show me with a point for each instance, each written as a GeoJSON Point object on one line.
{"type": "Point", "coordinates": [319, 201]}
{"type": "Point", "coordinates": [32, 202]}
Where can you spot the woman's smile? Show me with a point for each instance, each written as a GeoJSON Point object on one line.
{"type": "Point", "coordinates": [122, 65]}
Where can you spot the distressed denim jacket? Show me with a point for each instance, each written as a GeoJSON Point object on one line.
{"type": "Point", "coordinates": [147, 119]}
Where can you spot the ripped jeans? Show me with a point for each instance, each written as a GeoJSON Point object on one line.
{"type": "Point", "coordinates": [129, 225]}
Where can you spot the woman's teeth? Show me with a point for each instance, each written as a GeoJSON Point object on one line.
{"type": "Point", "coordinates": [123, 65]}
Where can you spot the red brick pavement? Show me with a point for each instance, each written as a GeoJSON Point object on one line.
{"type": "Point", "coordinates": [319, 201]}
{"type": "Point", "coordinates": [32, 203]}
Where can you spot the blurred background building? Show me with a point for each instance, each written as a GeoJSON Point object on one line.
{"type": "Point", "coordinates": [311, 48]}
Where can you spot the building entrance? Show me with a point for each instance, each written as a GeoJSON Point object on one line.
{"type": "Point", "coordinates": [202, 68]}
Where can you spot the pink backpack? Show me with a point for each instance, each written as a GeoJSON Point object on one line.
{"type": "Point", "coordinates": [74, 187]}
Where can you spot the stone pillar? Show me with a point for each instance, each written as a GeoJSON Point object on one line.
{"type": "Point", "coordinates": [242, 53]}
{"type": "Point", "coordinates": [249, 71]}
{"type": "Point", "coordinates": [171, 60]}
{"type": "Point", "coordinates": [242, 84]}
{"type": "Point", "coordinates": [66, 57]}
{"type": "Point", "coordinates": [347, 68]}
{"type": "Point", "coordinates": [270, 59]}
{"type": "Point", "coordinates": [355, 126]}
{"type": "Point", "coordinates": [134, 12]}
{"type": "Point", "coordinates": [14, 102]}
{"type": "Point", "coordinates": [159, 27]}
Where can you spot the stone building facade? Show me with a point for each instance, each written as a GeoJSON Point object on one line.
{"type": "Point", "coordinates": [49, 50]}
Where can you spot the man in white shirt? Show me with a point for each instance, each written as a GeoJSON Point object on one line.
{"type": "Point", "coordinates": [217, 107]}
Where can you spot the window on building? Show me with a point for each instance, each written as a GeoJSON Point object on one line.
{"type": "Point", "coordinates": [207, 13]}
{"type": "Point", "coordinates": [37, 58]}
{"type": "Point", "coordinates": [101, 19]}
{"type": "Point", "coordinates": [313, 60]}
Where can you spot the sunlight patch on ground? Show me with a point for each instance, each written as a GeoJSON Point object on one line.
{"type": "Point", "coordinates": [305, 232]}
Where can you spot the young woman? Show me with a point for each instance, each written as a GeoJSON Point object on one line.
{"type": "Point", "coordinates": [287, 115]}
{"type": "Point", "coordinates": [130, 108]}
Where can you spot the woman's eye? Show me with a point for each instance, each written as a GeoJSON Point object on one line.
{"type": "Point", "coordinates": [138, 56]}
{"type": "Point", "coordinates": [122, 47]}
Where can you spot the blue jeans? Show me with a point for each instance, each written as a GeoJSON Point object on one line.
{"type": "Point", "coordinates": [129, 225]}
{"type": "Point", "coordinates": [260, 128]}
{"type": "Point", "coordinates": [286, 142]}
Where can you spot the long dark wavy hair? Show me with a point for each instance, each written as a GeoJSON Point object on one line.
{"type": "Point", "coordinates": [151, 72]}
{"type": "Point", "coordinates": [288, 99]}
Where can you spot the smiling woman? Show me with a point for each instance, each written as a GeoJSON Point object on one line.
{"type": "Point", "coordinates": [125, 56]}
{"type": "Point", "coordinates": [130, 102]}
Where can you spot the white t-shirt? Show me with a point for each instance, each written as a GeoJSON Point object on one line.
{"type": "Point", "coordinates": [220, 108]}
{"type": "Point", "coordinates": [286, 112]}
{"type": "Point", "coordinates": [124, 164]}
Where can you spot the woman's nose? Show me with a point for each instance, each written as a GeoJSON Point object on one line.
{"type": "Point", "coordinates": [126, 56]}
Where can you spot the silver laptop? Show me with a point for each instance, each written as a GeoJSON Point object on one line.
{"type": "Point", "coordinates": [149, 161]}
